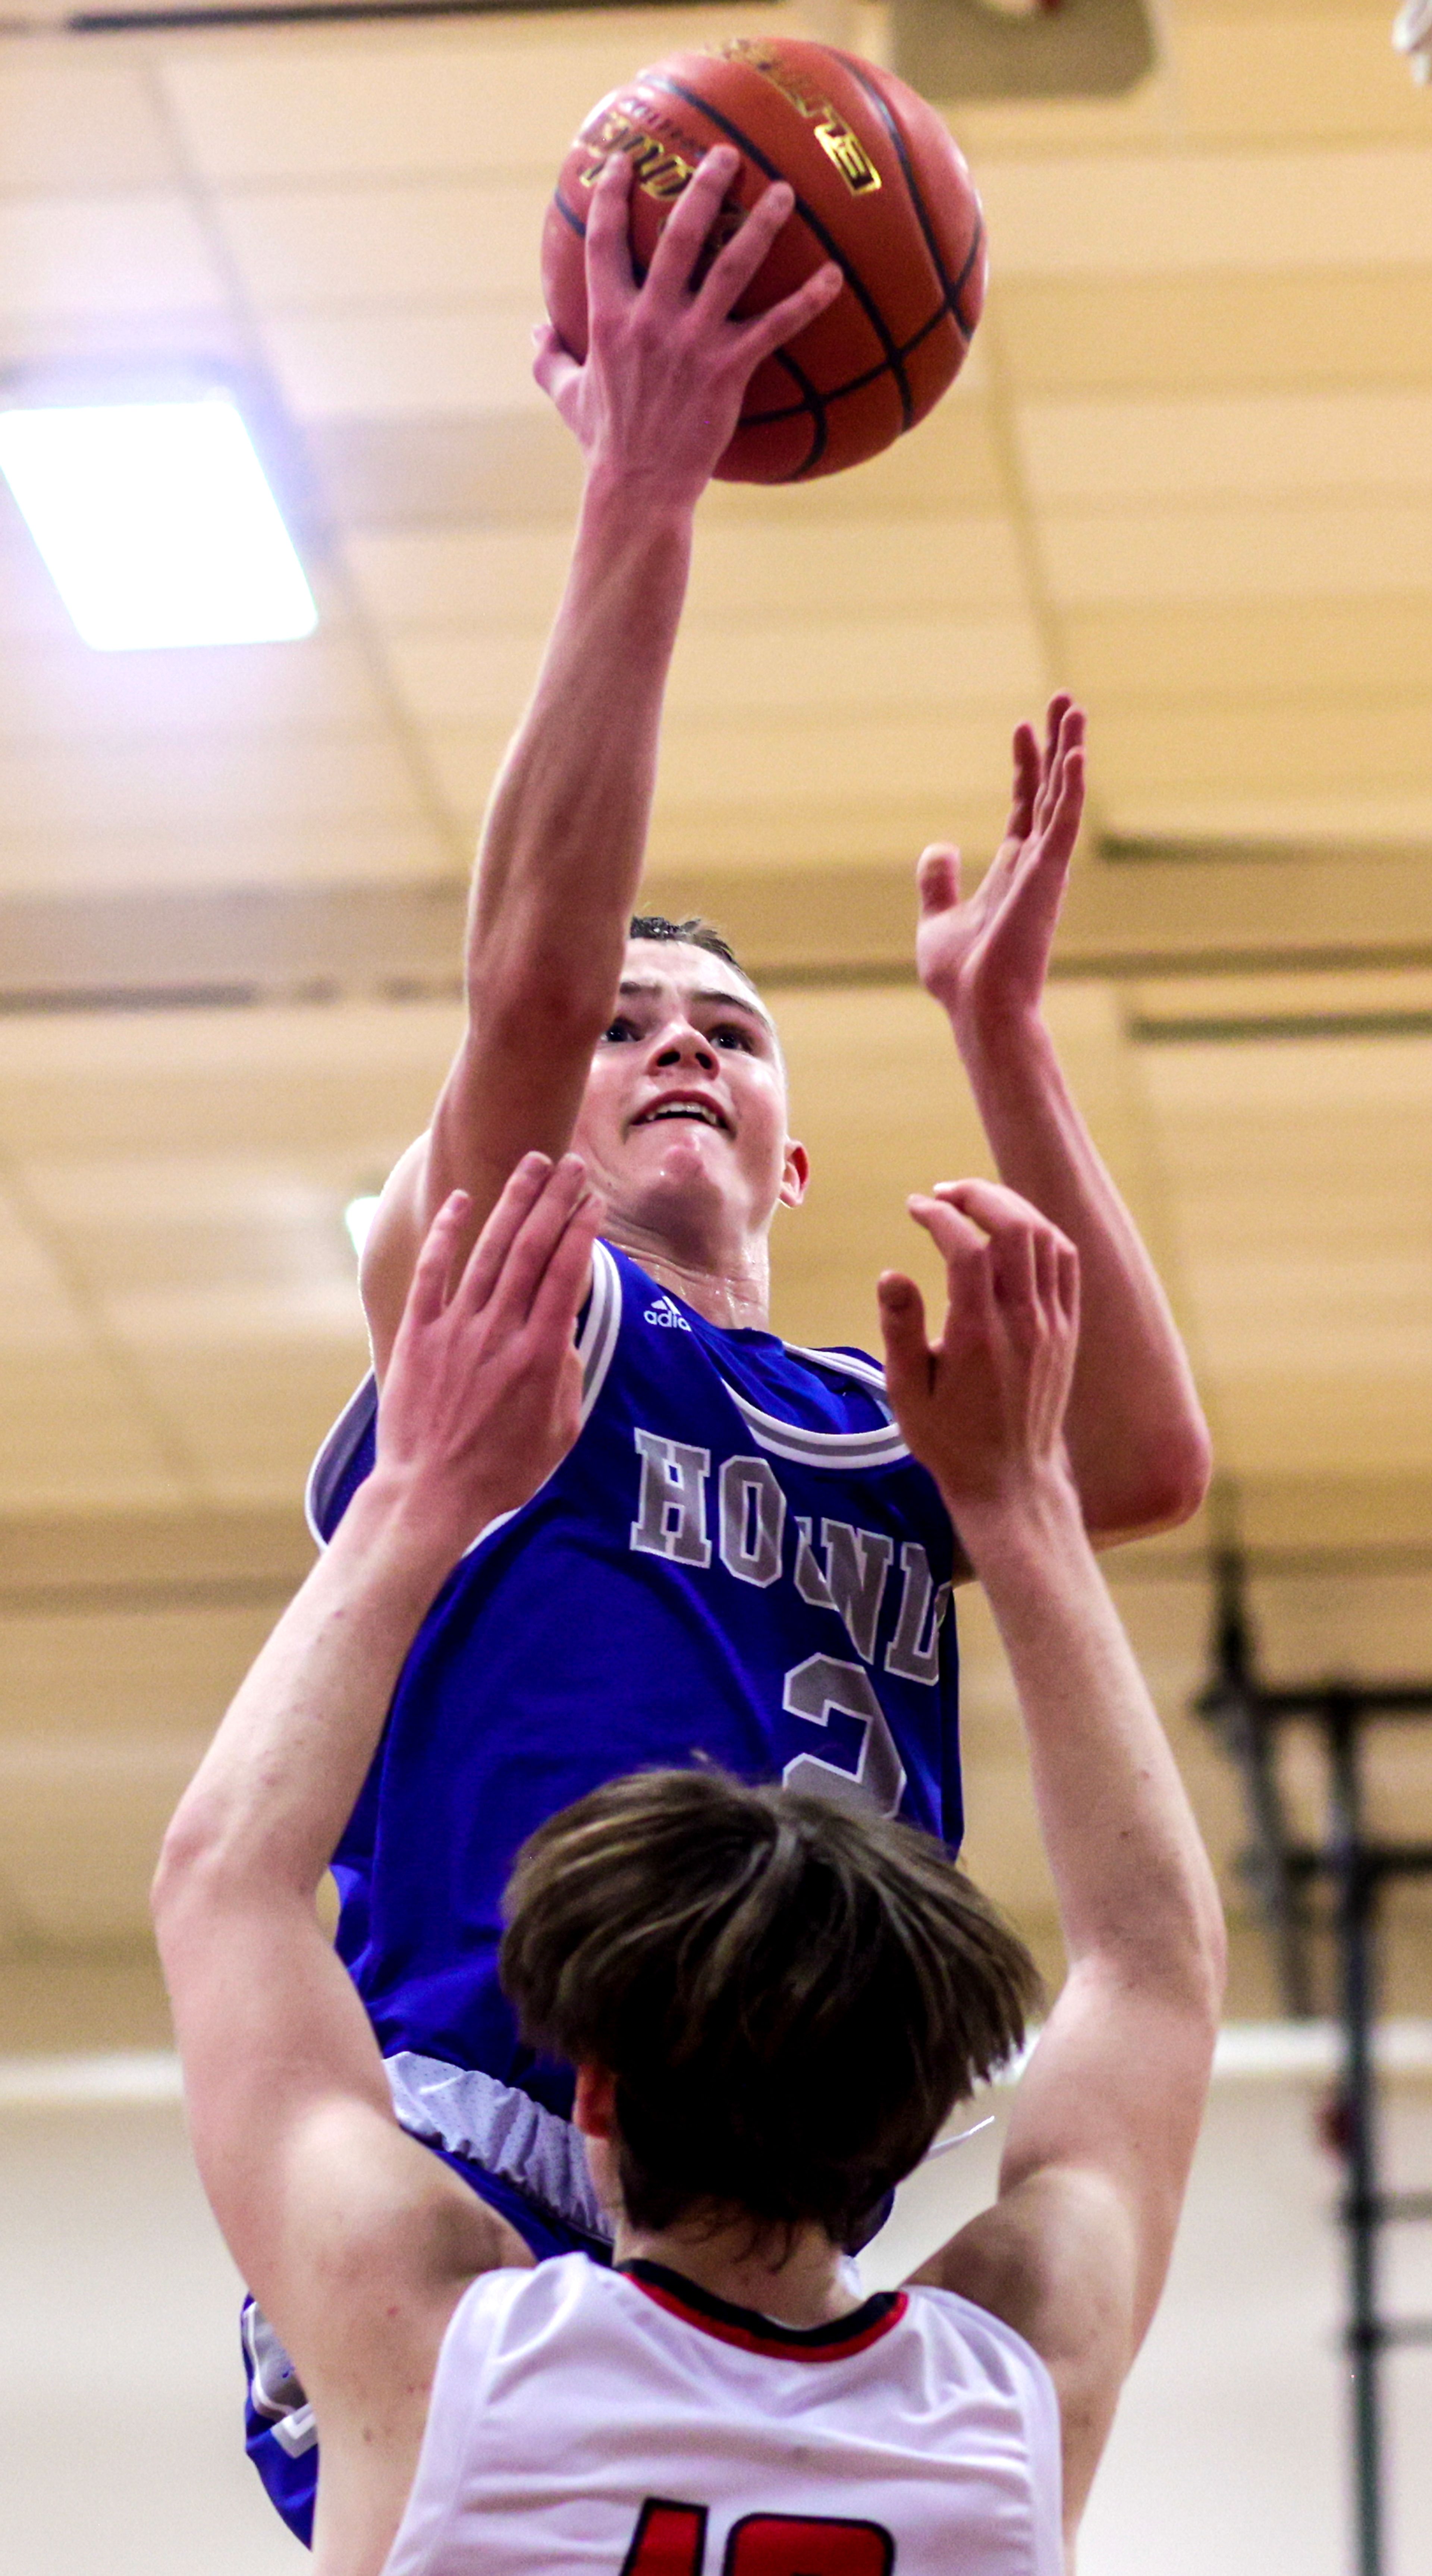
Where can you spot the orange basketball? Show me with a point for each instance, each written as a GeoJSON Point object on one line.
{"type": "Point", "coordinates": [879, 187]}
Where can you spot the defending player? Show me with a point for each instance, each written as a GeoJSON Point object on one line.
{"type": "Point", "coordinates": [740, 1560]}
{"type": "Point", "coordinates": [773, 2001]}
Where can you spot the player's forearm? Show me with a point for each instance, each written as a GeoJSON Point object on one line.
{"type": "Point", "coordinates": [1132, 1880]}
{"type": "Point", "coordinates": [280, 1780]}
{"type": "Point", "coordinates": [565, 834]}
{"type": "Point", "coordinates": [1135, 1429]}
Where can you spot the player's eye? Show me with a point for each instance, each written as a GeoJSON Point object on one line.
{"type": "Point", "coordinates": [621, 1032]}
{"type": "Point", "coordinates": [732, 1034]}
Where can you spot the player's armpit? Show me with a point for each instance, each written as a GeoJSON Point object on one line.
{"type": "Point", "coordinates": [1055, 2259]}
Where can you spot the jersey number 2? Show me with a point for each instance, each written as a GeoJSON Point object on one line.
{"type": "Point", "coordinates": [670, 2540]}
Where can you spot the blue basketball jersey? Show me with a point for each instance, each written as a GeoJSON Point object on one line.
{"type": "Point", "coordinates": [738, 1563]}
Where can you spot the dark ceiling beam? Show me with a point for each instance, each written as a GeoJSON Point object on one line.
{"type": "Point", "coordinates": [1136, 914]}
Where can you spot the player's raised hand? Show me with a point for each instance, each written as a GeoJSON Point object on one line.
{"type": "Point", "coordinates": [659, 393]}
{"type": "Point", "coordinates": [983, 1407]}
{"type": "Point", "coordinates": [482, 1396]}
{"type": "Point", "coordinates": [986, 959]}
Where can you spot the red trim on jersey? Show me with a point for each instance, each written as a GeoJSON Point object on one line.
{"type": "Point", "coordinates": [751, 2332]}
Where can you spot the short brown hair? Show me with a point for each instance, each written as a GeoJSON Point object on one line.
{"type": "Point", "coordinates": [790, 1994]}
{"type": "Point", "coordinates": [694, 932]}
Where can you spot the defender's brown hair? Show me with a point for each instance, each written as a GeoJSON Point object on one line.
{"type": "Point", "coordinates": [790, 1994]}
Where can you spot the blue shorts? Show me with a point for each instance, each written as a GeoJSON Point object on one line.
{"type": "Point", "coordinates": [289, 2466]}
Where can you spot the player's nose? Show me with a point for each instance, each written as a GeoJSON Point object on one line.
{"type": "Point", "coordinates": [686, 1046]}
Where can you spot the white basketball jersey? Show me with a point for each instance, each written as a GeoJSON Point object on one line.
{"type": "Point", "coordinates": [593, 2423]}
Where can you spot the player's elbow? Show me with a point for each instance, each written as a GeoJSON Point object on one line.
{"type": "Point", "coordinates": [191, 1875]}
{"type": "Point", "coordinates": [1161, 1488]}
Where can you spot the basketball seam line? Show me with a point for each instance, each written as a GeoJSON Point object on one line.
{"type": "Point", "coordinates": [852, 384]}
{"type": "Point", "coordinates": [853, 279]}
{"type": "Point", "coordinates": [952, 291]}
{"type": "Point", "coordinates": [814, 402]}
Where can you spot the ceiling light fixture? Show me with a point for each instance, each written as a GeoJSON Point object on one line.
{"type": "Point", "coordinates": [156, 522]}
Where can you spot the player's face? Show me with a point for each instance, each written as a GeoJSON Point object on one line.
{"type": "Point", "coordinates": [684, 1118]}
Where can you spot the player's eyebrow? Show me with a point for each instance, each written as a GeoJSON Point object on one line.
{"type": "Point", "coordinates": [717, 997]}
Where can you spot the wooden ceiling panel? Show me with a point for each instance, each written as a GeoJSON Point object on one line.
{"type": "Point", "coordinates": [198, 784]}
{"type": "Point", "coordinates": [1236, 551]}
{"type": "Point", "coordinates": [1220, 331]}
{"type": "Point", "coordinates": [169, 855]}
{"type": "Point", "coordinates": [419, 244]}
{"type": "Point", "coordinates": [499, 577]}
{"type": "Point", "coordinates": [410, 103]}
{"type": "Point", "coordinates": [1274, 446]}
{"type": "Point", "coordinates": [1309, 77]}
{"type": "Point", "coordinates": [110, 1800]}
{"type": "Point", "coordinates": [96, 1673]}
{"type": "Point", "coordinates": [1305, 746]}
{"type": "Point", "coordinates": [128, 253]}
{"type": "Point", "coordinates": [77, 125]}
{"type": "Point", "coordinates": [1129, 215]}
{"type": "Point", "coordinates": [64, 691]}
{"type": "Point", "coordinates": [389, 364]}
{"type": "Point", "coordinates": [252, 1413]}
{"type": "Point", "coordinates": [1260, 648]}
{"type": "Point", "coordinates": [74, 1430]}
{"type": "Point", "coordinates": [276, 1083]}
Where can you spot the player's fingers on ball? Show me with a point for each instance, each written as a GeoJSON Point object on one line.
{"type": "Point", "coordinates": [688, 227]}
{"type": "Point", "coordinates": [937, 877]}
{"type": "Point", "coordinates": [610, 278]}
{"type": "Point", "coordinates": [738, 259]}
{"type": "Point", "coordinates": [795, 312]}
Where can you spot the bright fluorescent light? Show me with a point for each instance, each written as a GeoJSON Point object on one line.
{"type": "Point", "coordinates": [156, 523]}
{"type": "Point", "coordinates": [358, 1216]}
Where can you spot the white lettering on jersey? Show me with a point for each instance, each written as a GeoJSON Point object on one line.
{"type": "Point", "coordinates": [753, 1520]}
{"type": "Point", "coordinates": [810, 1582]}
{"type": "Point", "coordinates": [671, 1507]}
{"type": "Point", "coordinates": [666, 1312]}
{"type": "Point", "coordinates": [812, 1690]}
{"type": "Point", "coordinates": [914, 1650]}
{"type": "Point", "coordinates": [856, 1563]}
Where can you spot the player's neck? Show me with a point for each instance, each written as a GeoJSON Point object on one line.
{"type": "Point", "coordinates": [809, 2285]}
{"type": "Point", "coordinates": [733, 1291]}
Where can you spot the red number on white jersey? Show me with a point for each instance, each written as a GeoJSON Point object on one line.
{"type": "Point", "coordinates": [670, 2540]}
{"type": "Point", "coordinates": [793, 2544]}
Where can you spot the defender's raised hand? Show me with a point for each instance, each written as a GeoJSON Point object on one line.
{"type": "Point", "coordinates": [986, 959]}
{"type": "Point", "coordinates": [659, 393]}
{"type": "Point", "coordinates": [482, 1398]}
{"type": "Point", "coordinates": [983, 1407]}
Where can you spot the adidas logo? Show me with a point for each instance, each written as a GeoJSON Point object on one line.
{"type": "Point", "coordinates": [667, 1314]}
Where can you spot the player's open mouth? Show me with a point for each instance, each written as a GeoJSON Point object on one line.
{"type": "Point", "coordinates": [701, 1110]}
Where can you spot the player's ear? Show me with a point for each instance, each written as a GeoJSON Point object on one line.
{"type": "Point", "coordinates": [594, 2105]}
{"type": "Point", "coordinates": [795, 1175]}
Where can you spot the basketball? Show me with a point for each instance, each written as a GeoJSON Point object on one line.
{"type": "Point", "coordinates": [879, 187]}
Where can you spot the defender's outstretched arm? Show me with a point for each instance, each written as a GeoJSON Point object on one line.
{"type": "Point", "coordinates": [1136, 1434]}
{"type": "Point", "coordinates": [322, 2198]}
{"type": "Point", "coordinates": [652, 408]}
{"type": "Point", "coordinates": [1096, 2159]}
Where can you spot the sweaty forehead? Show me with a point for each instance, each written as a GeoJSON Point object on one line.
{"type": "Point", "coordinates": [663, 965]}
